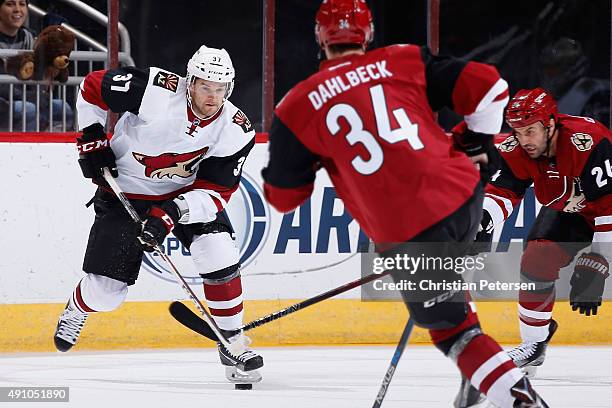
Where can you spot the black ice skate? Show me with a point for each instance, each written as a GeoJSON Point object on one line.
{"type": "Point", "coordinates": [241, 368]}
{"type": "Point", "coordinates": [529, 356]}
{"type": "Point", "coordinates": [469, 396]}
{"type": "Point", "coordinates": [69, 327]}
{"type": "Point", "coordinates": [525, 396]}
{"type": "Point", "coordinates": [247, 361]}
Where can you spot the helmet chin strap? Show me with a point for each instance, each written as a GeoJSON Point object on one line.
{"type": "Point", "coordinates": [549, 138]}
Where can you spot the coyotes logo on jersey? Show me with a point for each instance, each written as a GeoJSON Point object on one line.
{"type": "Point", "coordinates": [509, 144]}
{"type": "Point", "coordinates": [241, 120]}
{"type": "Point", "coordinates": [170, 164]}
{"type": "Point", "coordinates": [166, 80]}
{"type": "Point", "coordinates": [582, 141]}
{"type": "Point", "coordinates": [576, 199]}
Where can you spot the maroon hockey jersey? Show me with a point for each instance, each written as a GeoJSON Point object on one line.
{"type": "Point", "coordinates": [577, 180]}
{"type": "Point", "coordinates": [369, 121]}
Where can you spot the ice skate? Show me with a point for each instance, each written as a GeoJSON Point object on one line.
{"type": "Point", "coordinates": [525, 396]}
{"type": "Point", "coordinates": [469, 396]}
{"type": "Point", "coordinates": [529, 356]}
{"type": "Point", "coordinates": [69, 327]}
{"type": "Point", "coordinates": [241, 369]}
{"type": "Point", "coordinates": [246, 361]}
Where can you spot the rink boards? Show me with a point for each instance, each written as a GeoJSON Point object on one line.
{"type": "Point", "coordinates": [285, 258]}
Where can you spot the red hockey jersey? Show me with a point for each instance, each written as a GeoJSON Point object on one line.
{"type": "Point", "coordinates": [369, 121]}
{"type": "Point", "coordinates": [577, 180]}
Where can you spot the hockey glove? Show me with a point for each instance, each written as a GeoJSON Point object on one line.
{"type": "Point", "coordinates": [588, 281]}
{"type": "Point", "coordinates": [484, 236]}
{"type": "Point", "coordinates": [475, 144]}
{"type": "Point", "coordinates": [95, 152]}
{"type": "Point", "coordinates": [159, 222]}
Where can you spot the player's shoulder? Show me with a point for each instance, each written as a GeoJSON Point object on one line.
{"type": "Point", "coordinates": [581, 135]}
{"type": "Point", "coordinates": [509, 147]}
{"type": "Point", "coordinates": [399, 50]}
{"type": "Point", "coordinates": [164, 90]}
{"type": "Point", "coordinates": [299, 93]}
{"type": "Point", "coordinates": [236, 120]}
{"type": "Point", "coordinates": [162, 81]}
{"type": "Point", "coordinates": [514, 156]}
{"type": "Point", "coordinates": [236, 129]}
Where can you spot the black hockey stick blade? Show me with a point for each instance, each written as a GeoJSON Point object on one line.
{"type": "Point", "coordinates": [192, 321]}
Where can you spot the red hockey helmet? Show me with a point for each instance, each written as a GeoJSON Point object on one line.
{"type": "Point", "coordinates": [530, 106]}
{"type": "Point", "coordinates": [344, 22]}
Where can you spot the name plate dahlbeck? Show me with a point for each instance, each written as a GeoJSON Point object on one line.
{"type": "Point", "coordinates": [341, 83]}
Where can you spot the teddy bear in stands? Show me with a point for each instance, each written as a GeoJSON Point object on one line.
{"type": "Point", "coordinates": [49, 59]}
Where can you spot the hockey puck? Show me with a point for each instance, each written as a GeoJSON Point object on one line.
{"type": "Point", "coordinates": [243, 386]}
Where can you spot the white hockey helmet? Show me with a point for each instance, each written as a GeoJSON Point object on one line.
{"type": "Point", "coordinates": [211, 64]}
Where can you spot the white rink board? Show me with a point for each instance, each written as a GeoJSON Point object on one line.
{"type": "Point", "coordinates": [44, 228]}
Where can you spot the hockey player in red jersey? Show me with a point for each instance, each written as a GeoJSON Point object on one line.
{"type": "Point", "coordinates": [368, 119]}
{"type": "Point", "coordinates": [567, 158]}
{"type": "Point", "coordinates": [177, 152]}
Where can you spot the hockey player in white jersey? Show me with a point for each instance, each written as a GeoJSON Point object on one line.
{"type": "Point", "coordinates": [177, 152]}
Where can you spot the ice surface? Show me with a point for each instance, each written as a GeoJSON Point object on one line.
{"type": "Point", "coordinates": [295, 377]}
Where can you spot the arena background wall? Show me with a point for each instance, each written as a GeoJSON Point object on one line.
{"type": "Point", "coordinates": [44, 226]}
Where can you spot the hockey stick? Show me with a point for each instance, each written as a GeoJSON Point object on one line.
{"type": "Point", "coordinates": [393, 365]}
{"type": "Point", "coordinates": [234, 348]}
{"type": "Point", "coordinates": [189, 319]}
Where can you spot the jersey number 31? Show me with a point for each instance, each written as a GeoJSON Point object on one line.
{"type": "Point", "coordinates": [407, 130]}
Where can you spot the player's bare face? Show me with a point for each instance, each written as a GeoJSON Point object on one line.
{"type": "Point", "coordinates": [207, 97]}
{"type": "Point", "coordinates": [13, 14]}
{"type": "Point", "coordinates": [533, 139]}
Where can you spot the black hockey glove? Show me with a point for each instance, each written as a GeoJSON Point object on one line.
{"type": "Point", "coordinates": [474, 144]}
{"type": "Point", "coordinates": [588, 281]}
{"type": "Point", "coordinates": [95, 152]}
{"type": "Point", "coordinates": [159, 222]}
{"type": "Point", "coordinates": [484, 236]}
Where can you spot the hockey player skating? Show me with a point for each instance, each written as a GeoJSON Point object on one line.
{"type": "Point", "coordinates": [567, 158]}
{"type": "Point", "coordinates": [368, 119]}
{"type": "Point", "coordinates": [177, 152]}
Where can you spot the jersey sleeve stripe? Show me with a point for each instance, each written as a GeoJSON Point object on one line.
{"type": "Point", "coordinates": [489, 115]}
{"type": "Point", "coordinates": [603, 233]}
{"type": "Point", "coordinates": [603, 220]}
{"type": "Point", "coordinates": [497, 93]}
{"type": "Point", "coordinates": [499, 208]}
{"type": "Point", "coordinates": [91, 89]}
{"type": "Point", "coordinates": [477, 84]}
{"type": "Point", "coordinates": [218, 193]}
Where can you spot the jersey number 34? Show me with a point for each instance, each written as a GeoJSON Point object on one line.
{"type": "Point", "coordinates": [407, 130]}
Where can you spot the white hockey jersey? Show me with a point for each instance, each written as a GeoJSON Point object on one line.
{"type": "Point", "coordinates": [162, 149]}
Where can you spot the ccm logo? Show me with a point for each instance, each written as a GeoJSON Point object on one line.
{"type": "Point", "coordinates": [92, 146]}
{"type": "Point", "coordinates": [168, 221]}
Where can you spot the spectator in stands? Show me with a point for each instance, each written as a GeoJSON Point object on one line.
{"type": "Point", "coordinates": [13, 35]}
